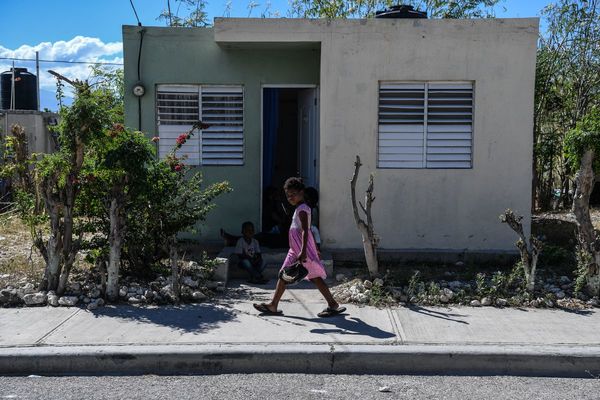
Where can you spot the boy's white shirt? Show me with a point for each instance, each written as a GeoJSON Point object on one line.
{"type": "Point", "coordinates": [316, 234]}
{"type": "Point", "coordinates": [251, 249]}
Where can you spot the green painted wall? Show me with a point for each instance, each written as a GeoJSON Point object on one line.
{"type": "Point", "coordinates": [190, 56]}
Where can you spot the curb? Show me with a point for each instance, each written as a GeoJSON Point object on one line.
{"type": "Point", "coordinates": [556, 361]}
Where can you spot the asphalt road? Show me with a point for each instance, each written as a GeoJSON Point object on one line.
{"type": "Point", "coordinates": [296, 386]}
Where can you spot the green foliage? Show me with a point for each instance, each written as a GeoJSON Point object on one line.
{"type": "Point", "coordinates": [367, 8]}
{"type": "Point", "coordinates": [586, 136]}
{"type": "Point", "coordinates": [500, 284]}
{"type": "Point", "coordinates": [196, 14]}
{"type": "Point", "coordinates": [566, 89]}
{"type": "Point", "coordinates": [414, 284]}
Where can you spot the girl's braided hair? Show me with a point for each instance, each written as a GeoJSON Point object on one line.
{"type": "Point", "coordinates": [293, 183]}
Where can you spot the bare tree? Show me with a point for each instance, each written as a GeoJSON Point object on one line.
{"type": "Point", "coordinates": [530, 251]}
{"type": "Point", "coordinates": [370, 239]}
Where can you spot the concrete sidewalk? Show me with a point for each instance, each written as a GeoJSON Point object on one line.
{"type": "Point", "coordinates": [228, 335]}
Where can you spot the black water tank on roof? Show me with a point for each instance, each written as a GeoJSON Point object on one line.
{"type": "Point", "coordinates": [25, 90]}
{"type": "Point", "coordinates": [401, 11]}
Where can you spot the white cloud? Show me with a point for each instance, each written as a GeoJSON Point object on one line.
{"type": "Point", "coordinates": [80, 48]}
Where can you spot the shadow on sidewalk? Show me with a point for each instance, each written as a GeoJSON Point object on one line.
{"type": "Point", "coordinates": [437, 314]}
{"type": "Point", "coordinates": [343, 326]}
{"type": "Point", "coordinates": [189, 318]}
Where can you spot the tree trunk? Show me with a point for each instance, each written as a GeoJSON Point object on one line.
{"type": "Point", "coordinates": [370, 240]}
{"type": "Point", "coordinates": [54, 251]}
{"type": "Point", "coordinates": [174, 269]}
{"type": "Point", "coordinates": [115, 241]}
{"type": "Point", "coordinates": [529, 252]}
{"type": "Point", "coordinates": [581, 208]}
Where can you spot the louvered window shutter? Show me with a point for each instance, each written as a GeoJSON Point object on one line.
{"type": "Point", "coordinates": [177, 110]}
{"type": "Point", "coordinates": [401, 125]}
{"type": "Point", "coordinates": [223, 109]}
{"type": "Point", "coordinates": [449, 125]}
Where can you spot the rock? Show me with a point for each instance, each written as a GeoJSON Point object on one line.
{"type": "Point", "coordinates": [475, 303]}
{"type": "Point", "coordinates": [134, 300]}
{"type": "Point", "coordinates": [92, 306]}
{"type": "Point", "coordinates": [35, 299]}
{"type": "Point", "coordinates": [212, 285]}
{"type": "Point", "coordinates": [534, 303]}
{"type": "Point", "coordinates": [362, 298]}
{"type": "Point", "coordinates": [94, 294]}
{"type": "Point", "coordinates": [565, 287]}
{"type": "Point", "coordinates": [100, 302]}
{"type": "Point", "coordinates": [501, 302]}
{"type": "Point", "coordinates": [444, 298]}
{"type": "Point", "coordinates": [188, 281]}
{"type": "Point", "coordinates": [199, 296]}
{"type": "Point", "coordinates": [486, 301]}
{"type": "Point", "coordinates": [139, 291]}
{"type": "Point", "coordinates": [368, 284]}
{"type": "Point", "coordinates": [340, 277]}
{"type": "Point", "coordinates": [549, 303]}
{"type": "Point", "coordinates": [583, 297]}
{"type": "Point", "coordinates": [149, 294]}
{"type": "Point", "coordinates": [396, 293]}
{"type": "Point", "coordinates": [385, 389]}
{"type": "Point", "coordinates": [28, 289]}
{"type": "Point", "coordinates": [448, 293]}
{"type": "Point", "coordinates": [378, 282]}
{"type": "Point", "coordinates": [9, 297]}
{"type": "Point", "coordinates": [560, 295]}
{"type": "Point", "coordinates": [414, 299]}
{"type": "Point", "coordinates": [87, 300]}
{"type": "Point", "coordinates": [594, 302]}
{"type": "Point", "coordinates": [75, 288]}
{"type": "Point", "coordinates": [564, 280]}
{"type": "Point", "coordinates": [68, 301]}
{"type": "Point", "coordinates": [220, 289]}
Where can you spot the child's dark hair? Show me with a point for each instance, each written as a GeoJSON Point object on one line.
{"type": "Point", "coordinates": [311, 196]}
{"type": "Point", "coordinates": [293, 183]}
{"type": "Point", "coordinates": [247, 224]}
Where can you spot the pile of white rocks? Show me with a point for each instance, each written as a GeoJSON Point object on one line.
{"type": "Point", "coordinates": [84, 292]}
{"type": "Point", "coordinates": [355, 291]}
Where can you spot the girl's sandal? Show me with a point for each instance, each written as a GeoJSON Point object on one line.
{"type": "Point", "coordinates": [264, 309]}
{"type": "Point", "coordinates": [330, 312]}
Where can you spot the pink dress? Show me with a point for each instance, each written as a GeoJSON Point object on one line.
{"type": "Point", "coordinates": [313, 263]}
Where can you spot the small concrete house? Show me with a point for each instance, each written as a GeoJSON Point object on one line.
{"type": "Point", "coordinates": [441, 111]}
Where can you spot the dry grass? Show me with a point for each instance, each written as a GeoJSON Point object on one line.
{"type": "Point", "coordinates": [18, 260]}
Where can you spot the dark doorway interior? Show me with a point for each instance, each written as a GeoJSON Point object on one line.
{"type": "Point", "coordinates": [280, 155]}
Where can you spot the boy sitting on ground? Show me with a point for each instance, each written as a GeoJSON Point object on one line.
{"type": "Point", "coordinates": [248, 251]}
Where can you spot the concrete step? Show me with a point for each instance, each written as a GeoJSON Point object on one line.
{"type": "Point", "coordinates": [273, 258]}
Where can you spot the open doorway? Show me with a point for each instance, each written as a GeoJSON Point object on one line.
{"type": "Point", "coordinates": [290, 147]}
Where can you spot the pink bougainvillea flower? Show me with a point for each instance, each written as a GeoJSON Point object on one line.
{"type": "Point", "coordinates": [155, 139]}
{"type": "Point", "coordinates": [181, 139]}
{"type": "Point", "coordinates": [178, 167]}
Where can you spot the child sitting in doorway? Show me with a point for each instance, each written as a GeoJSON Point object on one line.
{"type": "Point", "coordinates": [248, 251]}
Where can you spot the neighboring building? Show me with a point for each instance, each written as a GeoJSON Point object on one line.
{"type": "Point", "coordinates": [39, 137]}
{"type": "Point", "coordinates": [37, 126]}
{"type": "Point", "coordinates": [441, 111]}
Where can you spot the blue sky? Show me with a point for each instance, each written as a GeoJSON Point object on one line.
{"type": "Point", "coordinates": [90, 30]}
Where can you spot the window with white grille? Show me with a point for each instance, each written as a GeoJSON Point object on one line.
{"type": "Point", "coordinates": [222, 107]}
{"type": "Point", "coordinates": [425, 125]}
{"type": "Point", "coordinates": [223, 110]}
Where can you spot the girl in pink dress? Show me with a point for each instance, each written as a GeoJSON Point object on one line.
{"type": "Point", "coordinates": [303, 249]}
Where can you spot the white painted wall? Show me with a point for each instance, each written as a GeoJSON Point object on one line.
{"type": "Point", "coordinates": [418, 208]}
